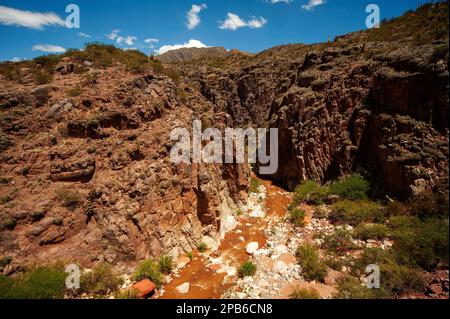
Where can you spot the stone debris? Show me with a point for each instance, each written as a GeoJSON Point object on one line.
{"type": "Point", "coordinates": [183, 288]}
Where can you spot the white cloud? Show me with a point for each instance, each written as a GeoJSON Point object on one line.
{"type": "Point", "coordinates": [234, 22]}
{"type": "Point", "coordinates": [193, 15]}
{"type": "Point", "coordinates": [190, 44]}
{"type": "Point", "coordinates": [128, 40]}
{"type": "Point", "coordinates": [149, 43]}
{"type": "Point", "coordinates": [84, 35]}
{"type": "Point", "coordinates": [312, 4]}
{"type": "Point", "coordinates": [113, 35]}
{"type": "Point", "coordinates": [29, 19]}
{"type": "Point", "coordinates": [49, 48]}
{"type": "Point", "coordinates": [16, 59]}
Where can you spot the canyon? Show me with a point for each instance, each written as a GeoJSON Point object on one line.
{"type": "Point", "coordinates": [85, 168]}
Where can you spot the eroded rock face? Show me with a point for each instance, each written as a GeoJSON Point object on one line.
{"type": "Point", "coordinates": [109, 149]}
{"type": "Point", "coordinates": [344, 109]}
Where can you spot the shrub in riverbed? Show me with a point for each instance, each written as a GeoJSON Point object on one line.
{"type": "Point", "coordinates": [165, 264]}
{"type": "Point", "coordinates": [351, 288]}
{"type": "Point", "coordinates": [127, 294]}
{"type": "Point", "coordinates": [305, 294]}
{"type": "Point", "coordinates": [338, 242]}
{"type": "Point", "coordinates": [254, 185]}
{"type": "Point", "coordinates": [319, 195]}
{"type": "Point", "coordinates": [371, 231]}
{"type": "Point", "coordinates": [421, 243]}
{"type": "Point", "coordinates": [395, 279]}
{"type": "Point", "coordinates": [101, 280]}
{"type": "Point", "coordinates": [353, 187]}
{"type": "Point", "coordinates": [301, 192]}
{"type": "Point", "coordinates": [297, 217]}
{"type": "Point", "coordinates": [247, 269]}
{"type": "Point", "coordinates": [312, 267]}
{"type": "Point", "coordinates": [356, 212]}
{"type": "Point", "coordinates": [43, 282]}
{"type": "Point", "coordinates": [202, 247]}
{"type": "Point", "coordinates": [148, 269]}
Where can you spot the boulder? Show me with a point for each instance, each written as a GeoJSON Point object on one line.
{"type": "Point", "coordinates": [288, 259]}
{"type": "Point", "coordinates": [280, 250]}
{"type": "Point", "coordinates": [183, 261]}
{"type": "Point", "coordinates": [183, 288]}
{"type": "Point", "coordinates": [279, 267]}
{"type": "Point", "coordinates": [144, 288]}
{"type": "Point", "coordinates": [251, 248]}
{"type": "Point", "coordinates": [58, 109]}
{"type": "Point", "coordinates": [212, 244]}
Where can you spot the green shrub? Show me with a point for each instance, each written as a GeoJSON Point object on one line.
{"type": "Point", "coordinates": [429, 205]}
{"type": "Point", "coordinates": [312, 267]}
{"type": "Point", "coordinates": [372, 231]}
{"type": "Point", "coordinates": [43, 77]}
{"type": "Point", "coordinates": [395, 279]}
{"type": "Point", "coordinates": [353, 187]}
{"type": "Point", "coordinates": [338, 242]}
{"type": "Point", "coordinates": [68, 197]}
{"type": "Point", "coordinates": [6, 285]}
{"type": "Point", "coordinates": [101, 280]}
{"type": "Point", "coordinates": [319, 195]}
{"type": "Point", "coordinates": [422, 243]}
{"type": "Point", "coordinates": [202, 247]}
{"type": "Point", "coordinates": [5, 199]}
{"type": "Point", "coordinates": [148, 269]}
{"type": "Point", "coordinates": [7, 222]}
{"type": "Point", "coordinates": [247, 269]}
{"type": "Point", "coordinates": [254, 185]}
{"type": "Point", "coordinates": [75, 91]}
{"type": "Point", "coordinates": [127, 294]}
{"type": "Point", "coordinates": [43, 282]}
{"type": "Point", "coordinates": [356, 212]}
{"type": "Point", "coordinates": [302, 191]}
{"type": "Point", "coordinates": [349, 287]}
{"type": "Point", "coordinates": [297, 217]}
{"type": "Point", "coordinates": [305, 294]}
{"type": "Point", "coordinates": [165, 264]}
{"type": "Point", "coordinates": [190, 255]}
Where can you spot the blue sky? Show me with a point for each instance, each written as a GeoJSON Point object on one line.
{"type": "Point", "coordinates": [29, 28]}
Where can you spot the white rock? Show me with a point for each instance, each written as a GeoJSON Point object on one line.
{"type": "Point", "coordinates": [183, 288]}
{"type": "Point", "coordinates": [241, 295]}
{"type": "Point", "coordinates": [228, 223]}
{"type": "Point", "coordinates": [257, 212]}
{"type": "Point", "coordinates": [262, 189]}
{"type": "Point", "coordinates": [280, 267]}
{"type": "Point", "coordinates": [280, 250]}
{"type": "Point", "coordinates": [210, 242]}
{"type": "Point", "coordinates": [251, 248]}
